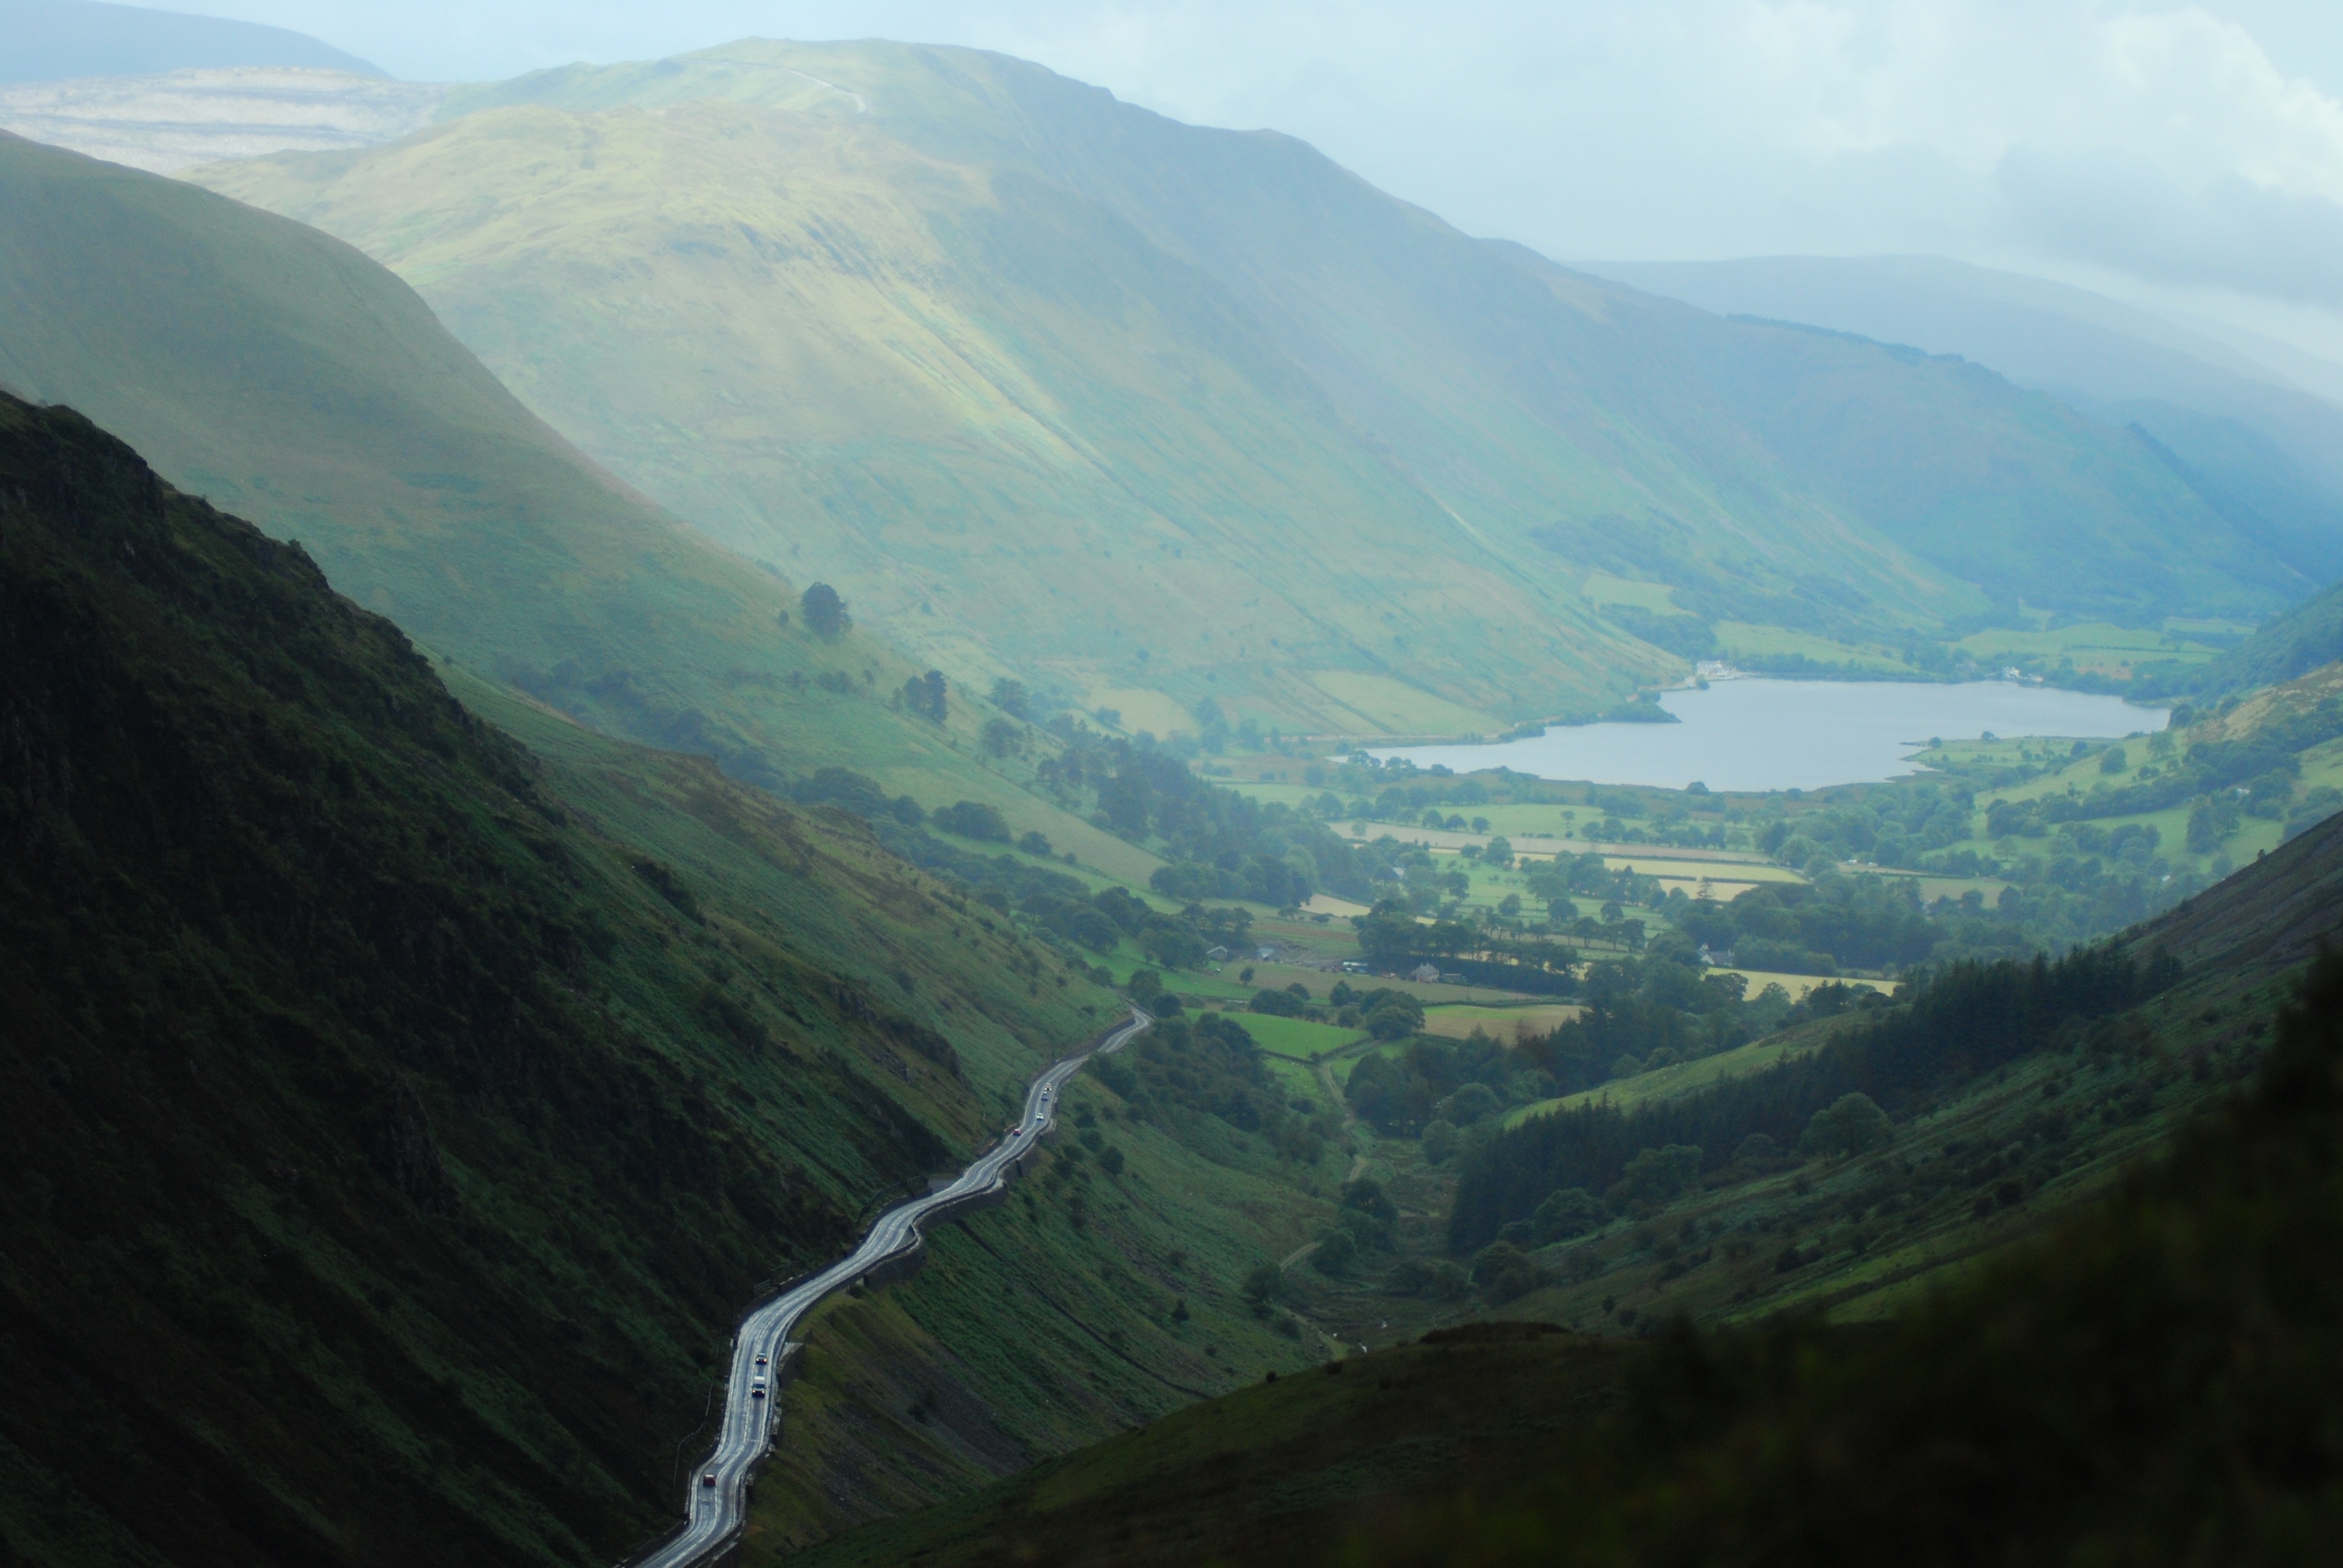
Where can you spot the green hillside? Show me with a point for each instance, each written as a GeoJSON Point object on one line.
{"type": "Point", "coordinates": [2286, 646]}
{"type": "Point", "coordinates": [427, 1106]}
{"type": "Point", "coordinates": [941, 323]}
{"type": "Point", "coordinates": [2141, 1371]}
{"type": "Point", "coordinates": [390, 1140]}
{"type": "Point", "coordinates": [282, 374]}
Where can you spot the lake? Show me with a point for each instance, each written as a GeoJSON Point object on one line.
{"type": "Point", "coordinates": [1757, 734]}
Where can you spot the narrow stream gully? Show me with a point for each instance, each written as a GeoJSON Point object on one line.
{"type": "Point", "coordinates": [716, 1506]}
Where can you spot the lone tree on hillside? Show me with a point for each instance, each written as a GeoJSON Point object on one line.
{"type": "Point", "coordinates": [1008, 696]}
{"type": "Point", "coordinates": [825, 611]}
{"type": "Point", "coordinates": [926, 694]}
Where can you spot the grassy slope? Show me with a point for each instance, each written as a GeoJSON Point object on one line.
{"type": "Point", "coordinates": [278, 372]}
{"type": "Point", "coordinates": [1210, 388]}
{"type": "Point", "coordinates": [1518, 392]}
{"type": "Point", "coordinates": [386, 1150]}
{"type": "Point", "coordinates": [2132, 1371]}
{"type": "Point", "coordinates": [953, 388]}
{"type": "Point", "coordinates": [1034, 1329]}
{"type": "Point", "coordinates": [1046, 1325]}
{"type": "Point", "coordinates": [1872, 1234]}
{"type": "Point", "coordinates": [1274, 1472]}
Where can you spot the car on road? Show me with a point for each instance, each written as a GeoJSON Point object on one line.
{"type": "Point", "coordinates": [761, 1362]}
{"type": "Point", "coordinates": [707, 1479]}
{"type": "Point", "coordinates": [756, 1391]}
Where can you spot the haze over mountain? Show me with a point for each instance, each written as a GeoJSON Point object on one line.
{"type": "Point", "coordinates": [271, 368]}
{"type": "Point", "coordinates": [933, 322]}
{"type": "Point", "coordinates": [2255, 436]}
{"type": "Point", "coordinates": [51, 40]}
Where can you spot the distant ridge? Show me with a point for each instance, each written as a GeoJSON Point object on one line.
{"type": "Point", "coordinates": [51, 40]}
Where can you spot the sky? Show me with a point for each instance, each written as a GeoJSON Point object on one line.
{"type": "Point", "coordinates": [2186, 157]}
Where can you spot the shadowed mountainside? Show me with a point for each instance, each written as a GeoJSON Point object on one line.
{"type": "Point", "coordinates": [387, 1146]}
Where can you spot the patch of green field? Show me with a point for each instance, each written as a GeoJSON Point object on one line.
{"type": "Point", "coordinates": [2089, 644]}
{"type": "Point", "coordinates": [1667, 1082]}
{"type": "Point", "coordinates": [1295, 1080]}
{"type": "Point", "coordinates": [1739, 639]}
{"type": "Point", "coordinates": [1602, 587]}
{"type": "Point", "coordinates": [1295, 1036]}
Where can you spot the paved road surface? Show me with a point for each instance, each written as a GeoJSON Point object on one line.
{"type": "Point", "coordinates": [716, 1512]}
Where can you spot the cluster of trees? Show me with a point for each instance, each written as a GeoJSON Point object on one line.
{"type": "Point", "coordinates": [1434, 1083]}
{"type": "Point", "coordinates": [1643, 1016]}
{"type": "Point", "coordinates": [1837, 923]}
{"type": "Point", "coordinates": [1969, 1020]}
{"type": "Point", "coordinates": [1891, 826]}
{"type": "Point", "coordinates": [1211, 1067]}
{"type": "Point", "coordinates": [929, 696]}
{"type": "Point", "coordinates": [1366, 1222]}
{"type": "Point", "coordinates": [1212, 835]}
{"type": "Point", "coordinates": [1057, 903]}
{"type": "Point", "coordinates": [1392, 942]}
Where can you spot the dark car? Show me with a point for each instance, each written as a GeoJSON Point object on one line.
{"type": "Point", "coordinates": [709, 1478]}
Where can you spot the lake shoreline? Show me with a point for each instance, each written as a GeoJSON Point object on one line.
{"type": "Point", "coordinates": [1756, 733]}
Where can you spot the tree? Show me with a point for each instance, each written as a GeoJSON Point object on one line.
{"type": "Point", "coordinates": [1655, 1175]}
{"type": "Point", "coordinates": [825, 611]}
{"type": "Point", "coordinates": [1438, 1141]}
{"type": "Point", "coordinates": [1039, 844]}
{"type": "Point", "coordinates": [1336, 1252]}
{"type": "Point", "coordinates": [1395, 1016]}
{"type": "Point", "coordinates": [1261, 1287]}
{"type": "Point", "coordinates": [927, 696]}
{"type": "Point", "coordinates": [1008, 696]}
{"type": "Point", "coordinates": [973, 820]}
{"type": "Point", "coordinates": [1852, 1125]}
{"type": "Point", "coordinates": [1500, 851]}
{"type": "Point", "coordinates": [1569, 1211]}
{"type": "Point", "coordinates": [999, 738]}
{"type": "Point", "coordinates": [1474, 1102]}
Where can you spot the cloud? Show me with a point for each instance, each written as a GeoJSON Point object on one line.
{"type": "Point", "coordinates": [2122, 212]}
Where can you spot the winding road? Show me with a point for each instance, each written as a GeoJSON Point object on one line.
{"type": "Point", "coordinates": [719, 1503]}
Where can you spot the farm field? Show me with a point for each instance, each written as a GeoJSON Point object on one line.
{"type": "Point", "coordinates": [1500, 1022]}
{"type": "Point", "coordinates": [1295, 1036]}
{"type": "Point", "coordinates": [2096, 646]}
{"type": "Point", "coordinates": [1799, 985]}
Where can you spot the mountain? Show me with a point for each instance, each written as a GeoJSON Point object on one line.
{"type": "Point", "coordinates": [2286, 647]}
{"type": "Point", "coordinates": [164, 123]}
{"type": "Point", "coordinates": [2143, 1375]}
{"type": "Point", "coordinates": [2267, 452]}
{"type": "Point", "coordinates": [51, 40]}
{"type": "Point", "coordinates": [279, 373]}
{"type": "Point", "coordinates": [937, 323]}
{"type": "Point", "coordinates": [389, 1140]}
{"type": "Point", "coordinates": [423, 1107]}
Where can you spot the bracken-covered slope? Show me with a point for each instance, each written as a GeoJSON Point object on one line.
{"type": "Point", "coordinates": [282, 374]}
{"type": "Point", "coordinates": [385, 1145]}
{"type": "Point", "coordinates": [942, 323]}
{"type": "Point", "coordinates": [2151, 1380]}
